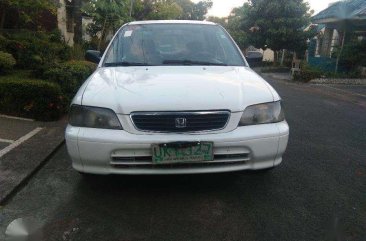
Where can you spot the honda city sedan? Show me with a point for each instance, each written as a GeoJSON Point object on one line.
{"type": "Point", "coordinates": [174, 97]}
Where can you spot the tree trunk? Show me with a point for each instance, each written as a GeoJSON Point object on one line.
{"type": "Point", "coordinates": [102, 35]}
{"type": "Point", "coordinates": [78, 21]}
{"type": "Point", "coordinates": [3, 14]}
{"type": "Point", "coordinates": [340, 52]}
{"type": "Point", "coordinates": [146, 10]}
{"type": "Point", "coordinates": [282, 57]}
{"type": "Point", "coordinates": [131, 7]}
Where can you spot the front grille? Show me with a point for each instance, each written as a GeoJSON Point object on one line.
{"type": "Point", "coordinates": [180, 121]}
{"type": "Point", "coordinates": [146, 161]}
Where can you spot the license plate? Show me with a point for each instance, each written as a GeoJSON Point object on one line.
{"type": "Point", "coordinates": [182, 152]}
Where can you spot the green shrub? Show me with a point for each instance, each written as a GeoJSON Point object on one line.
{"type": "Point", "coordinates": [78, 52]}
{"type": "Point", "coordinates": [36, 99]}
{"type": "Point", "coordinates": [3, 43]}
{"type": "Point", "coordinates": [80, 68]}
{"type": "Point", "coordinates": [307, 73]}
{"type": "Point", "coordinates": [70, 75]}
{"type": "Point", "coordinates": [7, 62]}
{"type": "Point", "coordinates": [34, 49]}
{"type": "Point", "coordinates": [275, 70]}
{"type": "Point", "coordinates": [353, 55]}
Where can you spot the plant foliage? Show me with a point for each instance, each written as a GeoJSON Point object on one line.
{"type": "Point", "coordinates": [70, 75]}
{"type": "Point", "coordinates": [32, 50]}
{"type": "Point", "coordinates": [275, 24]}
{"type": "Point", "coordinates": [353, 55]}
{"type": "Point", "coordinates": [29, 11]}
{"type": "Point", "coordinates": [36, 99]}
{"type": "Point", "coordinates": [7, 62]}
{"type": "Point", "coordinates": [109, 15]}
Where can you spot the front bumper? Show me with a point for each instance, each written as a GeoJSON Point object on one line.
{"type": "Point", "coordinates": [102, 151]}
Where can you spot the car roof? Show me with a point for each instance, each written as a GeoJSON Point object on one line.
{"type": "Point", "coordinates": [171, 22]}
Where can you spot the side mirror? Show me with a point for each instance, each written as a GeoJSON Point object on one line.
{"type": "Point", "coordinates": [93, 56]}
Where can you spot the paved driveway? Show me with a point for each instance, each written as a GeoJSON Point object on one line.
{"type": "Point", "coordinates": [318, 193]}
{"type": "Point", "coordinates": [13, 132]}
{"type": "Point", "coordinates": [350, 89]}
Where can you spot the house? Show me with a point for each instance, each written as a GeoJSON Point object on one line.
{"type": "Point", "coordinates": [66, 21]}
{"type": "Point", "coordinates": [335, 26]}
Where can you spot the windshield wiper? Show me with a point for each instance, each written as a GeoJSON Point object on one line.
{"type": "Point", "coordinates": [191, 62]}
{"type": "Point", "coordinates": [125, 63]}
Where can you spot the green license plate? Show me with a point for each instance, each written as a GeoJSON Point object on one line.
{"type": "Point", "coordinates": [182, 152]}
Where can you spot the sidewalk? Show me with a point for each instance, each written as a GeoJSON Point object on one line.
{"type": "Point", "coordinates": [278, 76]}
{"type": "Point", "coordinates": [284, 76]}
{"type": "Point", "coordinates": [24, 146]}
{"type": "Point", "coordinates": [347, 91]}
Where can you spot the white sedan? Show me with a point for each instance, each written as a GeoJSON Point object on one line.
{"type": "Point", "coordinates": [174, 97]}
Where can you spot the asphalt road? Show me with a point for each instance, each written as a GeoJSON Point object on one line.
{"type": "Point", "coordinates": [318, 193]}
{"type": "Point", "coordinates": [13, 129]}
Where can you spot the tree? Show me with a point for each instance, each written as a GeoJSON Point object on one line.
{"type": "Point", "coordinates": [200, 9]}
{"type": "Point", "coordinates": [232, 24]}
{"type": "Point", "coordinates": [171, 9]}
{"type": "Point", "coordinates": [277, 24]}
{"type": "Point", "coordinates": [108, 16]}
{"type": "Point", "coordinates": [78, 29]}
{"type": "Point", "coordinates": [187, 9]}
{"type": "Point", "coordinates": [353, 54]}
{"type": "Point", "coordinates": [164, 9]}
{"type": "Point", "coordinates": [222, 21]}
{"type": "Point", "coordinates": [28, 12]}
{"type": "Point", "coordinates": [156, 9]}
{"type": "Point", "coordinates": [141, 9]}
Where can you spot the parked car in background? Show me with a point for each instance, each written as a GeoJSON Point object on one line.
{"type": "Point", "coordinates": [174, 97]}
{"type": "Point", "coordinates": [254, 58]}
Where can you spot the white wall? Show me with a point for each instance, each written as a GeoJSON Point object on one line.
{"type": "Point", "coordinates": [85, 22]}
{"type": "Point", "coordinates": [268, 55]}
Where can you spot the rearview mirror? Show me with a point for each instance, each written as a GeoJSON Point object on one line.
{"type": "Point", "coordinates": [93, 56]}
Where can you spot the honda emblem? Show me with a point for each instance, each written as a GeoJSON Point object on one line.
{"type": "Point", "coordinates": [180, 122]}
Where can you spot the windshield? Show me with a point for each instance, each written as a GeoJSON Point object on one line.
{"type": "Point", "coordinates": [173, 44]}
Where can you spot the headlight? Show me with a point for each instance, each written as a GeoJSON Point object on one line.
{"type": "Point", "coordinates": [262, 114]}
{"type": "Point", "coordinates": [93, 117]}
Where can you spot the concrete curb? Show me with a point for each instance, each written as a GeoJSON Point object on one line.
{"type": "Point", "coordinates": [276, 76]}
{"type": "Point", "coordinates": [17, 167]}
{"type": "Point", "coordinates": [339, 81]}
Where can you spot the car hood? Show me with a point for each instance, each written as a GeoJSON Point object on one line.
{"type": "Point", "coordinates": [175, 88]}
